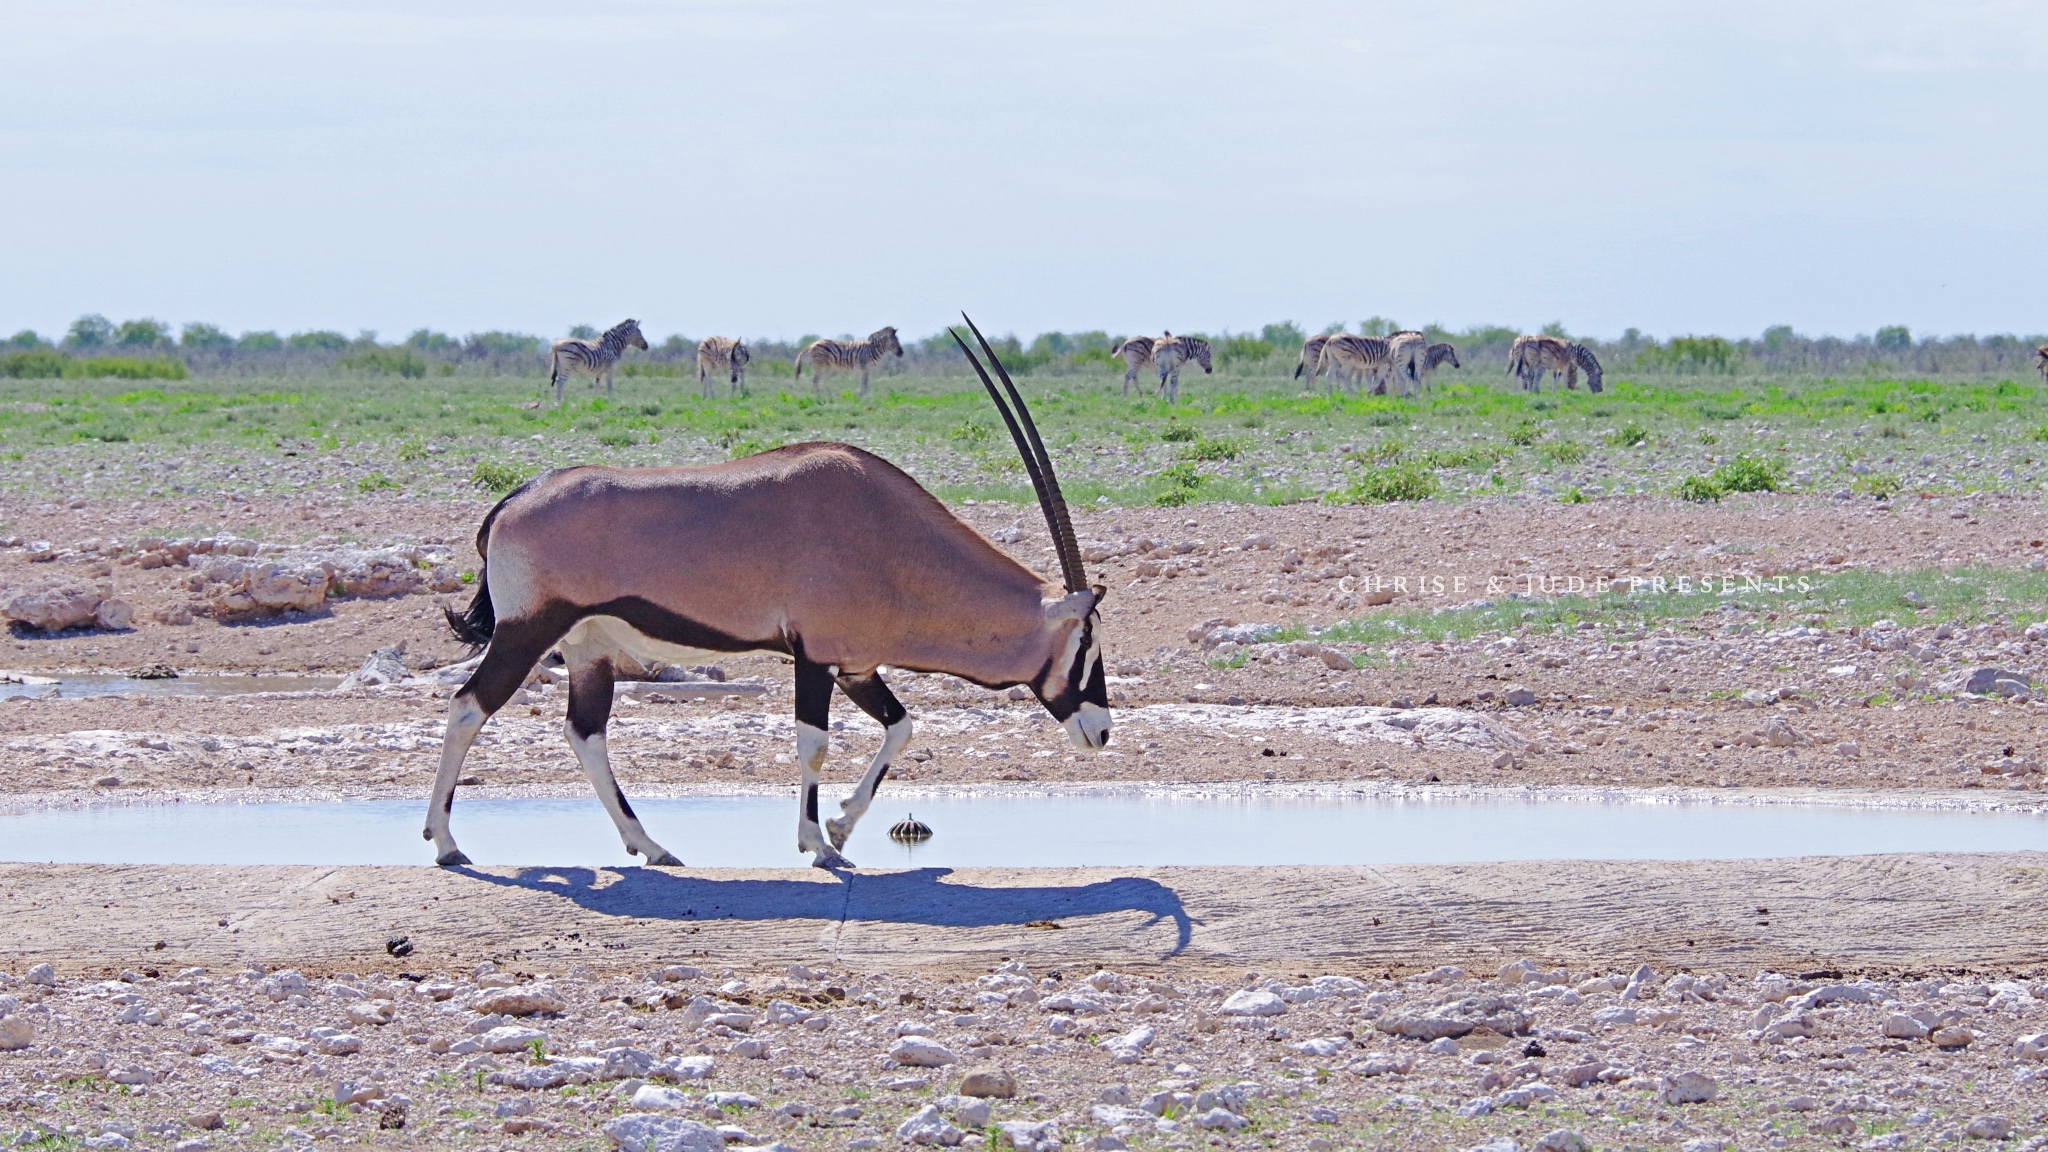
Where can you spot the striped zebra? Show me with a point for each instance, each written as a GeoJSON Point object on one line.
{"type": "Point", "coordinates": [1362, 357]}
{"type": "Point", "coordinates": [583, 358]}
{"type": "Point", "coordinates": [1311, 353]}
{"type": "Point", "coordinates": [1531, 356]}
{"type": "Point", "coordinates": [2041, 361]}
{"type": "Point", "coordinates": [1404, 353]}
{"type": "Point", "coordinates": [1170, 352]}
{"type": "Point", "coordinates": [725, 356]}
{"type": "Point", "coordinates": [851, 355]}
{"type": "Point", "coordinates": [1433, 357]}
{"type": "Point", "coordinates": [1136, 353]}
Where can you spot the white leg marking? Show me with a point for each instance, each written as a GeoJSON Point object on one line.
{"type": "Point", "coordinates": [851, 809]}
{"type": "Point", "coordinates": [465, 720]}
{"type": "Point", "coordinates": [811, 744]}
{"type": "Point", "coordinates": [598, 766]}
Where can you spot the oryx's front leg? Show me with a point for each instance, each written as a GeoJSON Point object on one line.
{"type": "Point", "coordinates": [590, 709]}
{"type": "Point", "coordinates": [813, 737]}
{"type": "Point", "coordinates": [874, 698]}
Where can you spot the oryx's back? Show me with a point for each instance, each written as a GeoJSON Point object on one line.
{"type": "Point", "coordinates": [823, 541]}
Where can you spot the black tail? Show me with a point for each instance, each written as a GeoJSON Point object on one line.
{"type": "Point", "coordinates": [476, 626]}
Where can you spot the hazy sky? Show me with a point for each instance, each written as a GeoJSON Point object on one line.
{"type": "Point", "coordinates": [774, 169]}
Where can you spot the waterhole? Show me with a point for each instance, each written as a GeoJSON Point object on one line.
{"type": "Point", "coordinates": [73, 687]}
{"type": "Point", "coordinates": [990, 829]}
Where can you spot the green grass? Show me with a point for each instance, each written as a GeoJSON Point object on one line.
{"type": "Point", "coordinates": [1387, 485]}
{"type": "Point", "coordinates": [1250, 433]}
{"type": "Point", "coordinates": [1836, 600]}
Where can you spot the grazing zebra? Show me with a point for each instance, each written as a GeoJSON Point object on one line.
{"type": "Point", "coordinates": [1404, 351]}
{"type": "Point", "coordinates": [582, 358]}
{"type": "Point", "coordinates": [724, 355]}
{"type": "Point", "coordinates": [1434, 357]}
{"type": "Point", "coordinates": [1532, 356]}
{"type": "Point", "coordinates": [1136, 354]}
{"type": "Point", "coordinates": [1362, 356]}
{"type": "Point", "coordinates": [1311, 352]}
{"type": "Point", "coordinates": [1170, 352]}
{"type": "Point", "coordinates": [2041, 361]}
{"type": "Point", "coordinates": [852, 355]}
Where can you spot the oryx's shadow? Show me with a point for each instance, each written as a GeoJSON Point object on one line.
{"type": "Point", "coordinates": [917, 896]}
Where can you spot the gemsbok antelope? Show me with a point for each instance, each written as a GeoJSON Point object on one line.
{"type": "Point", "coordinates": [1169, 352]}
{"type": "Point", "coordinates": [2041, 361]}
{"type": "Point", "coordinates": [821, 551]}
{"type": "Point", "coordinates": [597, 361]}
{"type": "Point", "coordinates": [1136, 353]}
{"type": "Point", "coordinates": [727, 357]}
{"type": "Point", "coordinates": [852, 355]}
{"type": "Point", "coordinates": [1531, 356]}
{"type": "Point", "coordinates": [1364, 357]}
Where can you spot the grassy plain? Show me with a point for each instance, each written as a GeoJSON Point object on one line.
{"type": "Point", "coordinates": [1244, 435]}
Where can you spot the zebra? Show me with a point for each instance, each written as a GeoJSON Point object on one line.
{"type": "Point", "coordinates": [1531, 356]}
{"type": "Point", "coordinates": [852, 355]}
{"type": "Point", "coordinates": [1362, 356]}
{"type": "Point", "coordinates": [1404, 349]}
{"type": "Point", "coordinates": [1136, 353]}
{"type": "Point", "coordinates": [1433, 357]}
{"type": "Point", "coordinates": [2041, 361]}
{"type": "Point", "coordinates": [1416, 361]}
{"type": "Point", "coordinates": [1170, 352]}
{"type": "Point", "coordinates": [1311, 353]}
{"type": "Point", "coordinates": [582, 358]}
{"type": "Point", "coordinates": [726, 355]}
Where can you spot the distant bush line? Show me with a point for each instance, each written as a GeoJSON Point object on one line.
{"type": "Point", "coordinates": [96, 346]}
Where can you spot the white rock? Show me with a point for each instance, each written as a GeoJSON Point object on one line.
{"type": "Point", "coordinates": [1253, 1002]}
{"type": "Point", "coordinates": [1988, 1128]}
{"type": "Point", "coordinates": [652, 1132]}
{"type": "Point", "coordinates": [1078, 1005]}
{"type": "Point", "coordinates": [1324, 1047]}
{"type": "Point", "coordinates": [532, 1001]}
{"type": "Point", "coordinates": [1563, 1140]}
{"type": "Point", "coordinates": [2031, 1048]}
{"type": "Point", "coordinates": [1026, 1136]}
{"type": "Point", "coordinates": [41, 974]}
{"type": "Point", "coordinates": [1899, 1026]}
{"type": "Point", "coordinates": [919, 1052]}
{"type": "Point", "coordinates": [1687, 1088]}
{"type": "Point", "coordinates": [1221, 1120]}
{"type": "Point", "coordinates": [16, 1033]}
{"type": "Point", "coordinates": [511, 1038]}
{"type": "Point", "coordinates": [929, 1126]}
{"type": "Point", "coordinates": [1136, 1040]}
{"type": "Point", "coordinates": [687, 1067]}
{"type": "Point", "coordinates": [69, 604]}
{"type": "Point", "coordinates": [1496, 1144]}
{"type": "Point", "coordinates": [132, 1074]}
{"type": "Point", "coordinates": [1702, 1144]}
{"type": "Point", "coordinates": [114, 615]}
{"type": "Point", "coordinates": [654, 1096]}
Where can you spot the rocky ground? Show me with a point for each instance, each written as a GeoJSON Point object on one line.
{"type": "Point", "coordinates": [1229, 662]}
{"type": "Point", "coordinates": [683, 1058]}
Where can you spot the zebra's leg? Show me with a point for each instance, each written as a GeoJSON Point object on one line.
{"type": "Point", "coordinates": [555, 381]}
{"type": "Point", "coordinates": [873, 697]}
{"type": "Point", "coordinates": [513, 651]}
{"type": "Point", "coordinates": [813, 721]}
{"type": "Point", "coordinates": [590, 709]}
{"type": "Point", "coordinates": [863, 381]}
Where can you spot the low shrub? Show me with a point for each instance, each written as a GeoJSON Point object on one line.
{"type": "Point", "coordinates": [1387, 485]}
{"type": "Point", "coordinates": [1213, 448]}
{"type": "Point", "coordinates": [1628, 436]}
{"type": "Point", "coordinates": [387, 362]}
{"type": "Point", "coordinates": [1561, 452]}
{"type": "Point", "coordinates": [1701, 490]}
{"type": "Point", "coordinates": [1750, 474]}
{"type": "Point", "coordinates": [495, 477]}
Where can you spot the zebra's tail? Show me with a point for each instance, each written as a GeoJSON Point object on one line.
{"type": "Point", "coordinates": [475, 626]}
{"type": "Point", "coordinates": [800, 363]}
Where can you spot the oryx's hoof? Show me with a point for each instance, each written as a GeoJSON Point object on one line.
{"type": "Point", "coordinates": [664, 860]}
{"type": "Point", "coordinates": [451, 858]}
{"type": "Point", "coordinates": [837, 830]}
{"type": "Point", "coordinates": [830, 860]}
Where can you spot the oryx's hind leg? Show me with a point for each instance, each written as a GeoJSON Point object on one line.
{"type": "Point", "coordinates": [590, 709]}
{"type": "Point", "coordinates": [514, 649]}
{"type": "Point", "coordinates": [874, 698]}
{"type": "Point", "coordinates": [813, 737]}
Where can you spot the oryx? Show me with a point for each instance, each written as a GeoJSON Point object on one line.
{"type": "Point", "coordinates": [822, 551]}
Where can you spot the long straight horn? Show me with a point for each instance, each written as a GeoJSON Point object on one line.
{"type": "Point", "coordinates": [1035, 463]}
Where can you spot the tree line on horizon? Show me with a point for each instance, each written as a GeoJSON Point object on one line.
{"type": "Point", "coordinates": [146, 348]}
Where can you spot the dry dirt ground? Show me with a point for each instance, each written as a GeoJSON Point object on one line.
{"type": "Point", "coordinates": [260, 1007]}
{"type": "Point", "coordinates": [1649, 707]}
{"type": "Point", "coordinates": [1617, 1004]}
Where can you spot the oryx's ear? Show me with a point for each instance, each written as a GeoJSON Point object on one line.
{"type": "Point", "coordinates": [1072, 606]}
